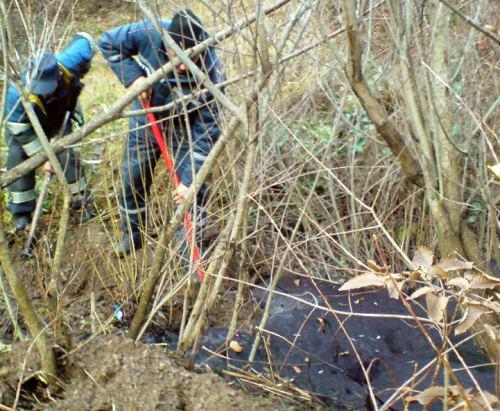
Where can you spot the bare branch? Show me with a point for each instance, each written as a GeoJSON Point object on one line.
{"type": "Point", "coordinates": [468, 20]}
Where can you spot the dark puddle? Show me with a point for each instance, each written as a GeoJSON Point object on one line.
{"type": "Point", "coordinates": [308, 346]}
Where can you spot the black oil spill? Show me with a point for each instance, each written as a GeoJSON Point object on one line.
{"type": "Point", "coordinates": [322, 353]}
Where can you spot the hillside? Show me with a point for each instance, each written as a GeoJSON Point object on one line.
{"type": "Point", "coordinates": [350, 246]}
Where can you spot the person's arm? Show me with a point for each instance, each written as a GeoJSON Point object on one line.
{"type": "Point", "coordinates": [120, 45]}
{"type": "Point", "coordinates": [205, 131]}
{"type": "Point", "coordinates": [204, 128]}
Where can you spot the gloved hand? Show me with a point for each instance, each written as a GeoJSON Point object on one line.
{"type": "Point", "coordinates": [180, 192]}
{"type": "Point", "coordinates": [47, 168]}
{"type": "Point", "coordinates": [78, 115]}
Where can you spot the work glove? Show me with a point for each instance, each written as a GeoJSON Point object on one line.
{"type": "Point", "coordinates": [78, 115]}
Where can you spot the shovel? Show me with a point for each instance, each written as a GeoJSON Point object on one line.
{"type": "Point", "coordinates": [26, 253]}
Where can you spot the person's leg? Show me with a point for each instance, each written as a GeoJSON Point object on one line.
{"type": "Point", "coordinates": [22, 193]}
{"type": "Point", "coordinates": [139, 159]}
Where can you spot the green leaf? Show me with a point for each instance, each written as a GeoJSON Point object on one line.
{"type": "Point", "coordinates": [457, 88]}
{"type": "Point", "coordinates": [360, 145]}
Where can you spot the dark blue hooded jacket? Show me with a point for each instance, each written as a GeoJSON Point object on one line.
{"type": "Point", "coordinates": [137, 50]}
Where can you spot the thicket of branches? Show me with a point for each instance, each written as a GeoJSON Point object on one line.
{"type": "Point", "coordinates": [354, 133]}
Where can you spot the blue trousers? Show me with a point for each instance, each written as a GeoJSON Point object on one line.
{"type": "Point", "coordinates": [139, 159]}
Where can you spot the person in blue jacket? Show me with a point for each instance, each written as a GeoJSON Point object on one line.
{"type": "Point", "coordinates": [133, 51]}
{"type": "Point", "coordinates": [52, 83]}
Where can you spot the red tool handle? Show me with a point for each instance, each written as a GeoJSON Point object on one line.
{"type": "Point", "coordinates": [167, 159]}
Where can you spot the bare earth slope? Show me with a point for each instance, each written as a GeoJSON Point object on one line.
{"type": "Point", "coordinates": [109, 372]}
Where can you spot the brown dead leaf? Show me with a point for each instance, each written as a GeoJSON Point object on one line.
{"type": "Point", "coordinates": [457, 391]}
{"type": "Point", "coordinates": [422, 291]}
{"type": "Point", "coordinates": [297, 282]}
{"type": "Point", "coordinates": [479, 402]}
{"type": "Point", "coordinates": [363, 280]}
{"type": "Point", "coordinates": [415, 276]}
{"type": "Point", "coordinates": [423, 258]}
{"type": "Point", "coordinates": [476, 401]}
{"type": "Point", "coordinates": [297, 369]}
{"type": "Point", "coordinates": [437, 271]}
{"type": "Point", "coordinates": [394, 288]}
{"type": "Point", "coordinates": [484, 281]}
{"type": "Point", "coordinates": [451, 263]}
{"type": "Point", "coordinates": [428, 395]}
{"type": "Point", "coordinates": [436, 306]}
{"type": "Point", "coordinates": [492, 305]}
{"type": "Point", "coordinates": [458, 282]}
{"type": "Point", "coordinates": [472, 314]}
{"type": "Point", "coordinates": [235, 346]}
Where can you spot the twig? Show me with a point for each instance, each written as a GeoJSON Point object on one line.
{"type": "Point", "coordinates": [188, 97]}
{"type": "Point", "coordinates": [468, 20]}
{"type": "Point", "coordinates": [5, 53]}
{"type": "Point", "coordinates": [41, 340]}
{"type": "Point", "coordinates": [53, 289]}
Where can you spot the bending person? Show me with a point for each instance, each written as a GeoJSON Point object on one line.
{"type": "Point", "coordinates": [134, 51]}
{"type": "Point", "coordinates": [53, 83]}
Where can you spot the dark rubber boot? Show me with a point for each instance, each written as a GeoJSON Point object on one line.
{"type": "Point", "coordinates": [21, 221]}
{"type": "Point", "coordinates": [83, 208]}
{"type": "Point", "coordinates": [127, 245]}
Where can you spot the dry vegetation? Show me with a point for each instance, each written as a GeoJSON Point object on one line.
{"type": "Point", "coordinates": [364, 137]}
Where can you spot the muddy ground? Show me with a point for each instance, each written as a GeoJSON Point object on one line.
{"type": "Point", "coordinates": [106, 370]}
{"type": "Point", "coordinates": [305, 356]}
{"type": "Point", "coordinates": [112, 372]}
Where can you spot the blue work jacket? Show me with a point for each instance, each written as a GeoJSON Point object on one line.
{"type": "Point", "coordinates": [136, 50]}
{"type": "Point", "coordinates": [74, 61]}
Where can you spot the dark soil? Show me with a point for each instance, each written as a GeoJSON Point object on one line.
{"type": "Point", "coordinates": [318, 351]}
{"type": "Point", "coordinates": [303, 347]}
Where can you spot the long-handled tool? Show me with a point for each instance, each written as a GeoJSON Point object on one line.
{"type": "Point", "coordinates": [167, 159]}
{"type": "Point", "coordinates": [26, 253]}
